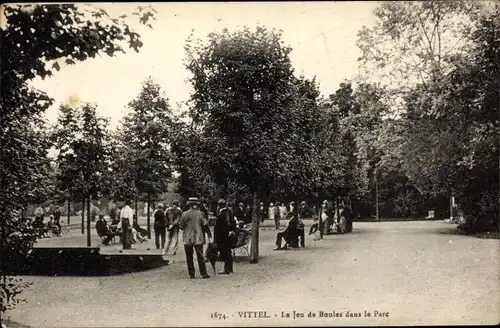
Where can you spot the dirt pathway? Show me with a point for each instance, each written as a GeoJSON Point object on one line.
{"type": "Point", "coordinates": [410, 273]}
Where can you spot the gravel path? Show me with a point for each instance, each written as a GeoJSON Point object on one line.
{"type": "Point", "coordinates": [409, 272]}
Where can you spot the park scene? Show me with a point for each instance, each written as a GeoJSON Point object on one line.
{"type": "Point", "coordinates": [250, 164]}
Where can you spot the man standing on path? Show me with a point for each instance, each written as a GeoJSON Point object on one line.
{"type": "Point", "coordinates": [57, 218]}
{"type": "Point", "coordinates": [126, 215]}
{"type": "Point", "coordinates": [194, 226]}
{"type": "Point", "coordinates": [223, 230]}
{"type": "Point", "coordinates": [160, 226]}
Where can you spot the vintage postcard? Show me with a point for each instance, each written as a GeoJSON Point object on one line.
{"type": "Point", "coordinates": [234, 164]}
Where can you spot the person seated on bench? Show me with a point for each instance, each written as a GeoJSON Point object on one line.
{"type": "Point", "coordinates": [293, 232]}
{"type": "Point", "coordinates": [103, 230]}
{"type": "Point", "coordinates": [40, 227]}
{"type": "Point", "coordinates": [135, 225]}
{"type": "Point", "coordinates": [53, 226]}
{"type": "Point", "coordinates": [240, 235]}
{"type": "Point", "coordinates": [135, 236]}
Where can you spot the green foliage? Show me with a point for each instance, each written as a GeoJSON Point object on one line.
{"type": "Point", "coordinates": [414, 41]}
{"type": "Point", "coordinates": [142, 160]}
{"type": "Point", "coordinates": [34, 37]}
{"type": "Point", "coordinates": [10, 289]}
{"type": "Point", "coordinates": [64, 138]}
{"type": "Point", "coordinates": [446, 136]}
{"type": "Point", "coordinates": [241, 102]}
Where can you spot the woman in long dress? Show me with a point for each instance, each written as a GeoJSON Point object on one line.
{"type": "Point", "coordinates": [271, 212]}
{"type": "Point", "coordinates": [174, 214]}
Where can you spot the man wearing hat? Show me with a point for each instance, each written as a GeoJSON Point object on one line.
{"type": "Point", "coordinates": [194, 226]}
{"type": "Point", "coordinates": [160, 226]}
{"type": "Point", "coordinates": [223, 230]}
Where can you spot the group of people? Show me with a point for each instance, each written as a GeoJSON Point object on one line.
{"type": "Point", "coordinates": [194, 222]}
{"type": "Point", "coordinates": [53, 226]}
{"type": "Point", "coordinates": [124, 224]}
{"type": "Point", "coordinates": [275, 212]}
{"type": "Point", "coordinates": [228, 228]}
{"type": "Point", "coordinates": [341, 219]}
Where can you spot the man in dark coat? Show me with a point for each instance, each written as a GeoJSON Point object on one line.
{"type": "Point", "coordinates": [57, 219]}
{"type": "Point", "coordinates": [293, 232]}
{"type": "Point", "coordinates": [349, 217]}
{"type": "Point", "coordinates": [160, 226]}
{"type": "Point", "coordinates": [239, 212]}
{"type": "Point", "coordinates": [225, 226]}
{"type": "Point", "coordinates": [103, 230]}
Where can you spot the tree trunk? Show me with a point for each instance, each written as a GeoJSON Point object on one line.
{"type": "Point", "coordinates": [376, 199]}
{"type": "Point", "coordinates": [88, 222]}
{"type": "Point", "coordinates": [136, 212]}
{"type": "Point", "coordinates": [254, 242]}
{"type": "Point", "coordinates": [149, 218]}
{"type": "Point", "coordinates": [83, 215]}
{"type": "Point", "coordinates": [69, 210]}
{"type": "Point", "coordinates": [337, 207]}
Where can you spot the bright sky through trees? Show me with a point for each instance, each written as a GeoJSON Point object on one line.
{"type": "Point", "coordinates": [322, 35]}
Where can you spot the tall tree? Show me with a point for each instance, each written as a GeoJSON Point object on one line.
{"type": "Point", "coordinates": [447, 117]}
{"type": "Point", "coordinates": [145, 135]}
{"type": "Point", "coordinates": [241, 99]}
{"type": "Point", "coordinates": [93, 150]}
{"type": "Point", "coordinates": [64, 138]}
{"type": "Point", "coordinates": [35, 36]}
{"type": "Point", "coordinates": [413, 42]}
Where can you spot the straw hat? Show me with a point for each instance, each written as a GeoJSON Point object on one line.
{"type": "Point", "coordinates": [193, 200]}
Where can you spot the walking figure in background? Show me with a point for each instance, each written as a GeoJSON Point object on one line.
{"type": "Point", "coordinates": [248, 213]}
{"type": "Point", "coordinates": [57, 219]}
{"type": "Point", "coordinates": [262, 212]}
{"type": "Point", "coordinates": [272, 213]}
{"type": "Point", "coordinates": [194, 226]}
{"type": "Point", "coordinates": [173, 216]}
{"type": "Point", "coordinates": [277, 216]}
{"type": "Point", "coordinates": [322, 217]}
{"type": "Point", "coordinates": [224, 230]}
{"type": "Point", "coordinates": [126, 216]}
{"type": "Point", "coordinates": [160, 226]}
{"type": "Point", "coordinates": [292, 207]}
{"type": "Point", "coordinates": [282, 209]}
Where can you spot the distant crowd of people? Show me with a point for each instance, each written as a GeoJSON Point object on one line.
{"type": "Point", "coordinates": [197, 222]}
{"type": "Point", "coordinates": [46, 229]}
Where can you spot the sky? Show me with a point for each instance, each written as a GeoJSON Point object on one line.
{"type": "Point", "coordinates": [322, 35]}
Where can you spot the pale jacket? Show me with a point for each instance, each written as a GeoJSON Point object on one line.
{"type": "Point", "coordinates": [127, 213]}
{"type": "Point", "coordinates": [192, 224]}
{"type": "Point", "coordinates": [271, 212]}
{"type": "Point", "coordinates": [283, 211]}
